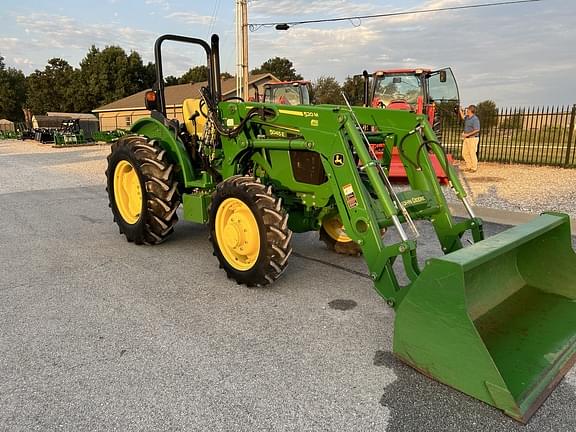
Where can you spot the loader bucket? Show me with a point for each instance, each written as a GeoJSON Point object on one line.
{"type": "Point", "coordinates": [496, 320]}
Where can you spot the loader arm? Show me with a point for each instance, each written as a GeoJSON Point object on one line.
{"type": "Point", "coordinates": [354, 179]}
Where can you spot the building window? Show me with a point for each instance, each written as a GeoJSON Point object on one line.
{"type": "Point", "coordinates": [128, 120]}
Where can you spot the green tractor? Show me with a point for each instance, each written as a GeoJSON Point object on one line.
{"type": "Point", "coordinates": [495, 320]}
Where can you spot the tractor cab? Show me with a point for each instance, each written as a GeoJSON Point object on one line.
{"type": "Point", "coordinates": [287, 93]}
{"type": "Point", "coordinates": [416, 90]}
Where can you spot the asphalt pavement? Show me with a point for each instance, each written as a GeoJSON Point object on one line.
{"type": "Point", "coordinates": [98, 334]}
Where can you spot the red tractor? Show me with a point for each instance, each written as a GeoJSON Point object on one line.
{"type": "Point", "coordinates": [422, 91]}
{"type": "Point", "coordinates": [417, 90]}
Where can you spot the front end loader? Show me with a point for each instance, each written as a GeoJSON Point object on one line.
{"type": "Point", "coordinates": [495, 320]}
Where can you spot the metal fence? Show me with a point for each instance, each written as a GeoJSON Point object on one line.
{"type": "Point", "coordinates": [535, 135]}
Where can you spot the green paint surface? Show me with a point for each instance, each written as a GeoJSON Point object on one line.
{"type": "Point", "coordinates": [526, 335]}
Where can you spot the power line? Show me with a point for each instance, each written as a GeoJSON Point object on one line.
{"type": "Point", "coordinates": [285, 25]}
{"type": "Point", "coordinates": [213, 17]}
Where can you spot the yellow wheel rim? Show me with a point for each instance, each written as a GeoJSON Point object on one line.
{"type": "Point", "coordinates": [334, 228]}
{"type": "Point", "coordinates": [127, 192]}
{"type": "Point", "coordinates": [237, 234]}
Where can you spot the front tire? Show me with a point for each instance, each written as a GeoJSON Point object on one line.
{"type": "Point", "coordinates": [249, 231]}
{"type": "Point", "coordinates": [142, 190]}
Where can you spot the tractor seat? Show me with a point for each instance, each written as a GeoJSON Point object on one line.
{"type": "Point", "coordinates": [189, 108]}
{"type": "Point", "coordinates": [399, 104]}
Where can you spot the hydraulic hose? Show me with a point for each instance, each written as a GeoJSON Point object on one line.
{"type": "Point", "coordinates": [401, 149]}
{"type": "Point", "coordinates": [221, 128]}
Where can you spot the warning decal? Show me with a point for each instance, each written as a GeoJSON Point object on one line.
{"type": "Point", "coordinates": [350, 196]}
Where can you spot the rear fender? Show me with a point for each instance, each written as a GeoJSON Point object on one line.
{"type": "Point", "coordinates": [153, 129]}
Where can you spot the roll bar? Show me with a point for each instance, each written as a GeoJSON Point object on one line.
{"type": "Point", "coordinates": [212, 63]}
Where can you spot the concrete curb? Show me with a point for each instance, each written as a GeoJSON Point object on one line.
{"type": "Point", "coordinates": [503, 217]}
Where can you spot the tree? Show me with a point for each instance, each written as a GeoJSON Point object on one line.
{"type": "Point", "coordinates": [281, 68]}
{"type": "Point", "coordinates": [326, 90]}
{"type": "Point", "coordinates": [194, 75]}
{"type": "Point", "coordinates": [198, 74]}
{"type": "Point", "coordinates": [353, 88]}
{"type": "Point", "coordinates": [12, 92]}
{"type": "Point", "coordinates": [53, 88]}
{"type": "Point", "coordinates": [109, 75]}
{"type": "Point", "coordinates": [149, 74]}
{"type": "Point", "coordinates": [171, 80]}
{"type": "Point", "coordinates": [487, 113]}
{"type": "Point", "coordinates": [140, 76]}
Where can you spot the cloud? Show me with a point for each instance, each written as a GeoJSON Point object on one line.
{"type": "Point", "coordinates": [11, 49]}
{"type": "Point", "coordinates": [164, 4]}
{"type": "Point", "coordinates": [298, 10]}
{"type": "Point", "coordinates": [190, 18]}
{"type": "Point", "coordinates": [66, 32]}
{"type": "Point", "coordinates": [283, 8]}
{"type": "Point", "coordinates": [514, 55]}
{"type": "Point", "coordinates": [22, 61]}
{"type": "Point", "coordinates": [9, 42]}
{"type": "Point", "coordinates": [70, 38]}
{"type": "Point", "coordinates": [48, 35]}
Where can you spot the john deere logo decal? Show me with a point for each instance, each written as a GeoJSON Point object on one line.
{"type": "Point", "coordinates": [338, 159]}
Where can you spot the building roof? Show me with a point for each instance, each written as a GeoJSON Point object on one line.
{"type": "Point", "coordinates": [44, 121]}
{"type": "Point", "coordinates": [83, 116]}
{"type": "Point", "coordinates": [5, 122]}
{"type": "Point", "coordinates": [176, 94]}
{"type": "Point", "coordinates": [55, 121]}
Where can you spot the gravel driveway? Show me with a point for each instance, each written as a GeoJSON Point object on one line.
{"type": "Point", "coordinates": [522, 188]}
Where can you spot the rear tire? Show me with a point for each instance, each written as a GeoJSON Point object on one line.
{"type": "Point", "coordinates": [249, 231]}
{"type": "Point", "coordinates": [333, 235]}
{"type": "Point", "coordinates": [145, 208]}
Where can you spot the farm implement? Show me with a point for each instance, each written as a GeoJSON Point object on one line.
{"type": "Point", "coordinates": [69, 134]}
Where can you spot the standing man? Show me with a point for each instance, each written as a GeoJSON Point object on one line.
{"type": "Point", "coordinates": [471, 136]}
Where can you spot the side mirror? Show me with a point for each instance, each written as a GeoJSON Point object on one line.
{"type": "Point", "coordinates": [151, 100]}
{"type": "Point", "coordinates": [443, 76]}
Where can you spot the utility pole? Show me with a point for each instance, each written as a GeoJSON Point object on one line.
{"type": "Point", "coordinates": [245, 47]}
{"type": "Point", "coordinates": [242, 49]}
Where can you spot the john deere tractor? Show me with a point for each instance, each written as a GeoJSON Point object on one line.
{"type": "Point", "coordinates": [496, 320]}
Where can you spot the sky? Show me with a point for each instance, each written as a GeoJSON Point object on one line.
{"type": "Point", "coordinates": [516, 55]}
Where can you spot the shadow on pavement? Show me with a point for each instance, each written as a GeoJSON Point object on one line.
{"type": "Point", "coordinates": [418, 403]}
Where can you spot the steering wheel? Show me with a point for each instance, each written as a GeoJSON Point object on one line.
{"type": "Point", "coordinates": [200, 108]}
